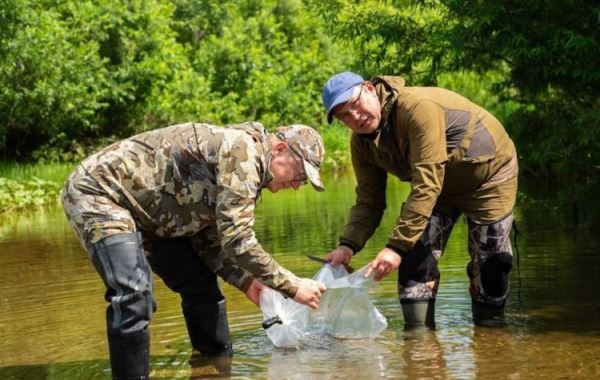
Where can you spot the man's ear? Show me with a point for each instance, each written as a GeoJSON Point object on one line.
{"type": "Point", "coordinates": [280, 147]}
{"type": "Point", "coordinates": [369, 86]}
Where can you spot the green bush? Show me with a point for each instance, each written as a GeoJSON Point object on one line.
{"type": "Point", "coordinates": [76, 74]}
{"type": "Point", "coordinates": [537, 61]}
{"type": "Point", "coordinates": [75, 71]}
{"type": "Point", "coordinates": [20, 195]}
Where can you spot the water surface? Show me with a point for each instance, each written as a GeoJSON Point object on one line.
{"type": "Point", "coordinates": [52, 307]}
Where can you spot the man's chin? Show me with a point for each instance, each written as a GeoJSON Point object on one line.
{"type": "Point", "coordinates": [368, 128]}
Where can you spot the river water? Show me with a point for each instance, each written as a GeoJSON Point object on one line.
{"type": "Point", "coordinates": [52, 307]}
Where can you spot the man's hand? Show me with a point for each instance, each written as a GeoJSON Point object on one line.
{"type": "Point", "coordinates": [385, 263]}
{"type": "Point", "coordinates": [253, 292]}
{"type": "Point", "coordinates": [309, 292]}
{"type": "Point", "coordinates": [340, 255]}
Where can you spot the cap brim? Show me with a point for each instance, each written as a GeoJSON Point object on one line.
{"type": "Point", "coordinates": [342, 98]}
{"type": "Point", "coordinates": [313, 175]}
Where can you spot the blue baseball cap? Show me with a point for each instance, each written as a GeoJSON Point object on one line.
{"type": "Point", "coordinates": [339, 89]}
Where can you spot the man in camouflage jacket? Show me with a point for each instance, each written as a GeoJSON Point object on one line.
{"type": "Point", "coordinates": [181, 200]}
{"type": "Point", "coordinates": [458, 159]}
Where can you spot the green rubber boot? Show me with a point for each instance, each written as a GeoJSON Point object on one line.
{"type": "Point", "coordinates": [419, 314]}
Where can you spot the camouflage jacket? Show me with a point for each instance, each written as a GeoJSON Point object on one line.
{"type": "Point", "coordinates": [449, 149]}
{"type": "Point", "coordinates": [187, 179]}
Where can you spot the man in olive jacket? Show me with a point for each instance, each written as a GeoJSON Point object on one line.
{"type": "Point", "coordinates": [458, 159]}
{"type": "Point", "coordinates": [180, 200]}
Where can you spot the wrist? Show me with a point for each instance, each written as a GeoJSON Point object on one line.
{"type": "Point", "coordinates": [397, 250]}
{"type": "Point", "coordinates": [347, 248]}
{"type": "Point", "coordinates": [245, 286]}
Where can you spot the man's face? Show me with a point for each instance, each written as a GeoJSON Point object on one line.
{"type": "Point", "coordinates": [362, 112]}
{"type": "Point", "coordinates": [286, 168]}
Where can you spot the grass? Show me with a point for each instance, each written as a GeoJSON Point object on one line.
{"type": "Point", "coordinates": [29, 185]}
{"type": "Point", "coordinates": [33, 185]}
{"type": "Point", "coordinates": [53, 172]}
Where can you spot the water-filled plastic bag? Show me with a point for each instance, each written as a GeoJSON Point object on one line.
{"type": "Point", "coordinates": [345, 310]}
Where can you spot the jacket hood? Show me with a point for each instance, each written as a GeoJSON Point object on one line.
{"type": "Point", "coordinates": [387, 87]}
{"type": "Point", "coordinates": [389, 81]}
{"type": "Point", "coordinates": [387, 90]}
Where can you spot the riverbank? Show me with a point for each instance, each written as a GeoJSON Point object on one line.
{"type": "Point", "coordinates": [32, 185]}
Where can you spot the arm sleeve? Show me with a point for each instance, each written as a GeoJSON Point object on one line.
{"type": "Point", "coordinates": [366, 214]}
{"type": "Point", "coordinates": [207, 244]}
{"type": "Point", "coordinates": [427, 144]}
{"type": "Point", "coordinates": [238, 182]}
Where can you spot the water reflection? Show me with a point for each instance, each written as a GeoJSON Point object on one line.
{"type": "Point", "coordinates": [52, 311]}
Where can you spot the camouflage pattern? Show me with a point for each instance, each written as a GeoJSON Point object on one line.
{"type": "Point", "coordinates": [430, 248]}
{"type": "Point", "coordinates": [194, 180]}
{"type": "Point", "coordinates": [306, 143]}
{"type": "Point", "coordinates": [420, 265]}
{"type": "Point", "coordinates": [485, 242]}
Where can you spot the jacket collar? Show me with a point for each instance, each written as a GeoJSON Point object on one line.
{"type": "Point", "coordinates": [387, 94]}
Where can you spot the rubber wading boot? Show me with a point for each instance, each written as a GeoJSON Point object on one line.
{"type": "Point", "coordinates": [419, 314]}
{"type": "Point", "coordinates": [488, 315]}
{"type": "Point", "coordinates": [209, 330]}
{"type": "Point", "coordinates": [130, 355]}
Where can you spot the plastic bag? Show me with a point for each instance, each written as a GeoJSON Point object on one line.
{"type": "Point", "coordinates": [284, 319]}
{"type": "Point", "coordinates": [345, 310]}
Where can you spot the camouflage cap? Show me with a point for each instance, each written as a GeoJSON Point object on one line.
{"type": "Point", "coordinates": [308, 144]}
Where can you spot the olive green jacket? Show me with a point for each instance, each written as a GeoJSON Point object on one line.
{"type": "Point", "coordinates": [453, 153]}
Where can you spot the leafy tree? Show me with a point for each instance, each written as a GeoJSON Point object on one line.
{"type": "Point", "coordinates": [51, 80]}
{"type": "Point", "coordinates": [74, 71]}
{"type": "Point", "coordinates": [547, 53]}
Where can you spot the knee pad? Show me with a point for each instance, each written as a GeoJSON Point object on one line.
{"type": "Point", "coordinates": [495, 274]}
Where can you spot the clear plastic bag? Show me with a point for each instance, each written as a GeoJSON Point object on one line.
{"type": "Point", "coordinates": [284, 319]}
{"type": "Point", "coordinates": [345, 310]}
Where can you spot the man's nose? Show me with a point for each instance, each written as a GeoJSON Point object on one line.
{"type": "Point", "coordinates": [353, 114]}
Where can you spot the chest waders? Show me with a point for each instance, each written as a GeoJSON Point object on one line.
{"type": "Point", "coordinates": [181, 269]}
{"type": "Point", "coordinates": [125, 270]}
{"type": "Point", "coordinates": [488, 270]}
{"type": "Point", "coordinates": [120, 261]}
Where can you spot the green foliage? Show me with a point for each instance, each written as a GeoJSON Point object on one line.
{"type": "Point", "coordinates": [337, 142]}
{"type": "Point", "coordinates": [26, 186]}
{"type": "Point", "coordinates": [51, 80]}
{"type": "Point", "coordinates": [74, 71]}
{"type": "Point", "coordinates": [53, 172]}
{"type": "Point", "coordinates": [77, 74]}
{"type": "Point", "coordinates": [19, 195]}
{"type": "Point", "coordinates": [544, 55]}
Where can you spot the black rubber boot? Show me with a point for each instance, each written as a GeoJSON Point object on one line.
{"type": "Point", "coordinates": [488, 315]}
{"type": "Point", "coordinates": [208, 329]}
{"type": "Point", "coordinates": [130, 355]}
{"type": "Point", "coordinates": [120, 261]}
{"type": "Point", "coordinates": [419, 314]}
